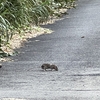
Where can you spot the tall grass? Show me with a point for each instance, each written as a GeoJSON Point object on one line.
{"type": "Point", "coordinates": [16, 14]}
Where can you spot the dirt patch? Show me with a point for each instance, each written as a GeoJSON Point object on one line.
{"type": "Point", "coordinates": [18, 41]}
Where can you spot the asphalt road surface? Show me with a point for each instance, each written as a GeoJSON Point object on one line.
{"type": "Point", "coordinates": [77, 58]}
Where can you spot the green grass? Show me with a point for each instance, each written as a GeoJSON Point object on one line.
{"type": "Point", "coordinates": [18, 14]}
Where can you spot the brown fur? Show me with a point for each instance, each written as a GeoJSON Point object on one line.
{"type": "Point", "coordinates": [48, 66]}
{"type": "Point", "coordinates": [54, 67]}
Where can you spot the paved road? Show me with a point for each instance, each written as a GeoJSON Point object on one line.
{"type": "Point", "coordinates": [78, 60]}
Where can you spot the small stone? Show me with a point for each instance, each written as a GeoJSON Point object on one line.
{"type": "Point", "coordinates": [0, 66]}
{"type": "Point", "coordinates": [82, 37]}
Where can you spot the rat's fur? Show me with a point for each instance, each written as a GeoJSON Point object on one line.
{"type": "Point", "coordinates": [48, 66]}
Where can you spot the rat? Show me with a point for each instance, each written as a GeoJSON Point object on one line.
{"type": "Point", "coordinates": [48, 66]}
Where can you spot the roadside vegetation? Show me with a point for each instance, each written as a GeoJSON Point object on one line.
{"type": "Point", "coordinates": [17, 16]}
